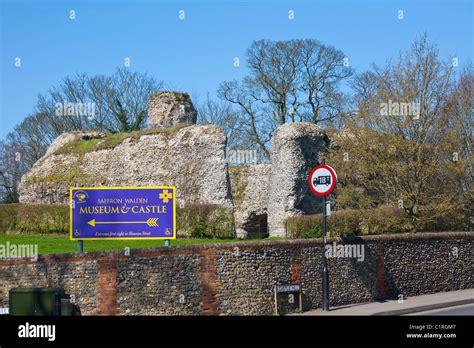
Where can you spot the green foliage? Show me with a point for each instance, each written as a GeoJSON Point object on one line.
{"type": "Point", "coordinates": [351, 221]}
{"type": "Point", "coordinates": [65, 175]}
{"type": "Point", "coordinates": [34, 218]}
{"type": "Point", "coordinates": [54, 244]}
{"type": "Point", "coordinates": [304, 226]}
{"type": "Point", "coordinates": [81, 147]}
{"type": "Point", "coordinates": [409, 142]}
{"type": "Point", "coordinates": [446, 215]}
{"type": "Point", "coordinates": [376, 169]}
{"type": "Point", "coordinates": [205, 221]}
{"type": "Point", "coordinates": [195, 220]}
{"type": "Point", "coordinates": [384, 219]}
{"type": "Point", "coordinates": [239, 182]}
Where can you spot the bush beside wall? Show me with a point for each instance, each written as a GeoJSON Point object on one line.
{"type": "Point", "coordinates": [34, 218]}
{"type": "Point", "coordinates": [350, 221]}
{"type": "Point", "coordinates": [196, 220]}
{"type": "Point", "coordinates": [214, 221]}
{"type": "Point", "coordinates": [205, 221]}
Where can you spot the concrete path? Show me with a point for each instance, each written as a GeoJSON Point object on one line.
{"type": "Point", "coordinates": [467, 309]}
{"type": "Point", "coordinates": [410, 305]}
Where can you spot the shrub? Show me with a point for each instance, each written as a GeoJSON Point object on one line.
{"type": "Point", "coordinates": [445, 216]}
{"type": "Point", "coordinates": [205, 221]}
{"type": "Point", "coordinates": [304, 226]}
{"type": "Point", "coordinates": [8, 217]}
{"type": "Point", "coordinates": [384, 219]}
{"type": "Point", "coordinates": [194, 220]}
{"type": "Point", "coordinates": [350, 221]}
{"type": "Point", "coordinates": [34, 218]}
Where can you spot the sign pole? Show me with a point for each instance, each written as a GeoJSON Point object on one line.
{"type": "Point", "coordinates": [321, 180]}
{"type": "Point", "coordinates": [167, 243]}
{"type": "Point", "coordinates": [325, 263]}
{"type": "Point", "coordinates": [80, 246]}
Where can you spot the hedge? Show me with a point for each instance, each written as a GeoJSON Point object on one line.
{"type": "Point", "coordinates": [345, 222]}
{"type": "Point", "coordinates": [205, 221]}
{"type": "Point", "coordinates": [34, 218]}
{"type": "Point", "coordinates": [195, 220]}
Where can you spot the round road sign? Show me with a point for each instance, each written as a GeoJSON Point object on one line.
{"type": "Point", "coordinates": [322, 180]}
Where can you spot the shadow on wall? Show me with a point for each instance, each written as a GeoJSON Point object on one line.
{"type": "Point", "coordinates": [350, 280]}
{"type": "Point", "coordinates": [395, 270]}
{"type": "Point", "coordinates": [372, 272]}
{"type": "Point", "coordinates": [257, 226]}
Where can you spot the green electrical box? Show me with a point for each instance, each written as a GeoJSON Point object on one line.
{"type": "Point", "coordinates": [39, 301]}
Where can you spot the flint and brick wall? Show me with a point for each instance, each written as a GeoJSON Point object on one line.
{"type": "Point", "coordinates": [239, 278]}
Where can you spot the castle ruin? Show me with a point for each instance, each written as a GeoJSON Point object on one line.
{"type": "Point", "coordinates": [175, 151]}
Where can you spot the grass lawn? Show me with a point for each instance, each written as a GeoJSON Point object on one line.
{"type": "Point", "coordinates": [61, 244]}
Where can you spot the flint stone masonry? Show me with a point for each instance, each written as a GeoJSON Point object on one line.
{"type": "Point", "coordinates": [191, 158]}
{"type": "Point", "coordinates": [168, 109]}
{"type": "Point", "coordinates": [178, 289]}
{"type": "Point", "coordinates": [77, 277]}
{"type": "Point", "coordinates": [295, 149]}
{"type": "Point", "coordinates": [250, 196]}
{"type": "Point", "coordinates": [265, 195]}
{"type": "Point", "coordinates": [239, 278]}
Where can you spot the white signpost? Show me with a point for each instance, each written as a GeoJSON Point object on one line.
{"type": "Point", "coordinates": [321, 182]}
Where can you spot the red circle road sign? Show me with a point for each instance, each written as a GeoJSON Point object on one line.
{"type": "Point", "coordinates": [322, 180]}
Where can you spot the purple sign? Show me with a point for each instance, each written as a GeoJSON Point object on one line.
{"type": "Point", "coordinates": [103, 213]}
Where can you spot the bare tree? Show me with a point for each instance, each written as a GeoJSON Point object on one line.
{"type": "Point", "coordinates": [127, 100]}
{"type": "Point", "coordinates": [258, 127]}
{"type": "Point", "coordinates": [21, 148]}
{"type": "Point", "coordinates": [290, 81]}
{"type": "Point", "coordinates": [119, 102]}
{"type": "Point", "coordinates": [221, 114]}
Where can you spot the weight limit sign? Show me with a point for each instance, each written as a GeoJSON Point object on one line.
{"type": "Point", "coordinates": [322, 180]}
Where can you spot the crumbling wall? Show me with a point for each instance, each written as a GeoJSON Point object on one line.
{"type": "Point", "coordinates": [295, 149]}
{"type": "Point", "coordinates": [168, 109]}
{"type": "Point", "coordinates": [191, 158]}
{"type": "Point", "coordinates": [175, 151]}
{"type": "Point", "coordinates": [250, 198]}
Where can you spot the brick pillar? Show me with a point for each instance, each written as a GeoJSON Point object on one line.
{"type": "Point", "coordinates": [207, 275]}
{"type": "Point", "coordinates": [108, 288]}
{"type": "Point", "coordinates": [295, 271]}
{"type": "Point", "coordinates": [381, 290]}
{"type": "Point", "coordinates": [295, 266]}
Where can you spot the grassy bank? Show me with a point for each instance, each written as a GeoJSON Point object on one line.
{"type": "Point", "coordinates": [48, 244]}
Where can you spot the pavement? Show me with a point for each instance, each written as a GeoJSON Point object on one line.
{"type": "Point", "coordinates": [421, 305]}
{"type": "Point", "coordinates": [456, 310]}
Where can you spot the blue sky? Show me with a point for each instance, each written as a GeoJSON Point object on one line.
{"type": "Point", "coordinates": [196, 54]}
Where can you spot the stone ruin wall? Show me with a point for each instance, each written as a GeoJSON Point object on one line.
{"type": "Point", "coordinates": [175, 151]}
{"type": "Point", "coordinates": [166, 109]}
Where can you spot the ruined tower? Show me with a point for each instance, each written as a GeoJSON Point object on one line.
{"type": "Point", "coordinates": [168, 109]}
